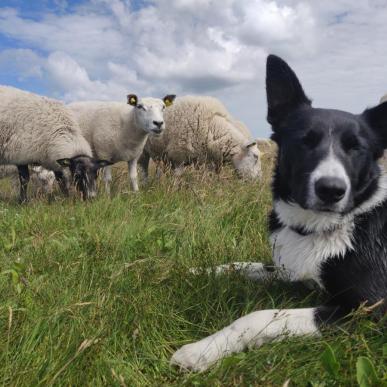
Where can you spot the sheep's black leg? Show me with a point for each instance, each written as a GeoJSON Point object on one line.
{"type": "Point", "coordinates": [24, 178]}
{"type": "Point", "coordinates": [62, 182]}
{"type": "Point", "coordinates": [143, 163]}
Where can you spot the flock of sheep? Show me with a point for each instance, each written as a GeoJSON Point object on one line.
{"type": "Point", "coordinates": [45, 138]}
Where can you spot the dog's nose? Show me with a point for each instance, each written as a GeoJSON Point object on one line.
{"type": "Point", "coordinates": [330, 190]}
{"type": "Point", "coordinates": [158, 123]}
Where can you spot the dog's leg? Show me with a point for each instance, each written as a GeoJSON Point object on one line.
{"type": "Point", "coordinates": [252, 270]}
{"type": "Point", "coordinates": [249, 331]}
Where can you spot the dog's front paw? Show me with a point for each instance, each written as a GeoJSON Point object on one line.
{"type": "Point", "coordinates": [194, 357]}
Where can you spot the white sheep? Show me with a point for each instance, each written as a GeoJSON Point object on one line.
{"type": "Point", "coordinates": [41, 178]}
{"type": "Point", "coordinates": [199, 130]}
{"type": "Point", "coordinates": [118, 132]}
{"type": "Point", "coordinates": [38, 130]}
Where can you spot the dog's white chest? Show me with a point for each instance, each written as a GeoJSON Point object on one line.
{"type": "Point", "coordinates": [301, 256]}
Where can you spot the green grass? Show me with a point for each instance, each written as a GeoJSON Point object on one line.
{"type": "Point", "coordinates": [99, 293]}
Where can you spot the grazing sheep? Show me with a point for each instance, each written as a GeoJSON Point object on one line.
{"type": "Point", "coordinates": [41, 178]}
{"type": "Point", "coordinates": [200, 131]}
{"type": "Point", "coordinates": [37, 130]}
{"type": "Point", "coordinates": [117, 132]}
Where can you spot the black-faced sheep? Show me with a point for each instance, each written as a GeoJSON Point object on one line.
{"type": "Point", "coordinates": [38, 130]}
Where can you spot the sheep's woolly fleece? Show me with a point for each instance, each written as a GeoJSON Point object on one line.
{"type": "Point", "coordinates": [198, 129]}
{"type": "Point", "coordinates": [111, 129]}
{"type": "Point", "coordinates": [35, 129]}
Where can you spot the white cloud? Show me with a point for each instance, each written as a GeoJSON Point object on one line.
{"type": "Point", "coordinates": [104, 49]}
{"type": "Point", "coordinates": [66, 74]}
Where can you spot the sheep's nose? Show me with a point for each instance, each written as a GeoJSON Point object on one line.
{"type": "Point", "coordinates": [158, 123]}
{"type": "Point", "coordinates": [330, 190]}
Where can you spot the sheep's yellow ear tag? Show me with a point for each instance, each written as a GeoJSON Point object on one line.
{"type": "Point", "coordinates": [168, 99]}
{"type": "Point", "coordinates": [132, 99]}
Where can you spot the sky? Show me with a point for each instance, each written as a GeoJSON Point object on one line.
{"type": "Point", "coordinates": [105, 49]}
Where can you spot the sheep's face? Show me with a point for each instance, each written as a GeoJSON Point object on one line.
{"type": "Point", "coordinates": [84, 171]}
{"type": "Point", "coordinates": [247, 161]}
{"type": "Point", "coordinates": [149, 112]}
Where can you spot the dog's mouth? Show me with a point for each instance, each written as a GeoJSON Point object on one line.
{"type": "Point", "coordinates": [328, 209]}
{"type": "Point", "coordinates": [323, 208]}
{"type": "Point", "coordinates": [317, 205]}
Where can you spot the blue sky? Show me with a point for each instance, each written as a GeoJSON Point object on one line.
{"type": "Point", "coordinates": [104, 49]}
{"type": "Point", "coordinates": [34, 8]}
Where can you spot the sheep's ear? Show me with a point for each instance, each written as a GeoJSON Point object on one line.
{"type": "Point", "coordinates": [283, 89]}
{"type": "Point", "coordinates": [64, 162]}
{"type": "Point", "coordinates": [376, 118]}
{"type": "Point", "coordinates": [250, 144]}
{"type": "Point", "coordinates": [132, 99]}
{"type": "Point", "coordinates": [168, 99]}
{"type": "Point", "coordinates": [103, 163]}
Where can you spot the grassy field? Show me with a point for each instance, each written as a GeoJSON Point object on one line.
{"type": "Point", "coordinates": [99, 293]}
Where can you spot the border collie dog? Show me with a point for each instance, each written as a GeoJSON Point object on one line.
{"type": "Point", "coordinates": [328, 224]}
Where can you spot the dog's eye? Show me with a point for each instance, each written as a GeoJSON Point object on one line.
{"type": "Point", "coordinates": [350, 142]}
{"type": "Point", "coordinates": [311, 139]}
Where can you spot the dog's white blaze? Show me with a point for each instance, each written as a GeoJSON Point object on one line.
{"type": "Point", "coordinates": [249, 331]}
{"type": "Point", "coordinates": [329, 167]}
{"type": "Point", "coordinates": [301, 256]}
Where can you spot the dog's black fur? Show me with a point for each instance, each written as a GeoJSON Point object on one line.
{"type": "Point", "coordinates": [304, 136]}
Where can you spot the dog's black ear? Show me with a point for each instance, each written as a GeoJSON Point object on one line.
{"type": "Point", "coordinates": [376, 118]}
{"type": "Point", "coordinates": [283, 89]}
